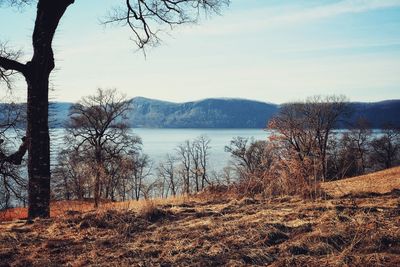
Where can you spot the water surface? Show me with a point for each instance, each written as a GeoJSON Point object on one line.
{"type": "Point", "coordinates": [157, 143]}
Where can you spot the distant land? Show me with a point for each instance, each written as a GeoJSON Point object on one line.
{"type": "Point", "coordinates": [225, 113]}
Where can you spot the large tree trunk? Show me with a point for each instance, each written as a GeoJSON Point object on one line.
{"type": "Point", "coordinates": [49, 13]}
{"type": "Point", "coordinates": [38, 147]}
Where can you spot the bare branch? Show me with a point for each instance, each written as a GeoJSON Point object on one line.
{"type": "Point", "coordinates": [17, 157]}
{"type": "Point", "coordinates": [9, 64]}
{"type": "Point", "coordinates": [144, 17]}
{"type": "Point", "coordinates": [16, 3]}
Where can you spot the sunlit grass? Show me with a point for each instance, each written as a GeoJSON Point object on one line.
{"type": "Point", "coordinates": [379, 182]}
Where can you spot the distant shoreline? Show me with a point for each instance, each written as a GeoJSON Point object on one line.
{"type": "Point", "coordinates": [225, 113]}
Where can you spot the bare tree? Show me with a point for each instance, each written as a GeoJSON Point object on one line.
{"type": "Point", "coordinates": [361, 134]}
{"type": "Point", "coordinates": [123, 181]}
{"type": "Point", "coordinates": [306, 127]}
{"type": "Point", "coordinates": [167, 172]}
{"type": "Point", "coordinates": [144, 18]}
{"type": "Point", "coordinates": [12, 184]}
{"type": "Point", "coordinates": [71, 175]}
{"type": "Point", "coordinates": [290, 131]}
{"type": "Point", "coordinates": [141, 169]}
{"type": "Point", "coordinates": [187, 169]}
{"type": "Point", "coordinates": [98, 127]}
{"type": "Point", "coordinates": [195, 170]}
{"type": "Point", "coordinates": [185, 158]}
{"type": "Point", "coordinates": [227, 175]}
{"type": "Point", "coordinates": [349, 154]}
{"type": "Point", "coordinates": [386, 148]}
{"type": "Point", "coordinates": [202, 145]}
{"type": "Point", "coordinates": [193, 158]}
{"type": "Point", "coordinates": [250, 157]}
{"type": "Point", "coordinates": [323, 115]}
{"type": "Point", "coordinates": [252, 161]}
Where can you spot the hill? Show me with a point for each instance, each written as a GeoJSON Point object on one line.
{"type": "Point", "coordinates": [377, 113]}
{"type": "Point", "coordinates": [207, 113]}
{"type": "Point", "coordinates": [210, 230]}
{"type": "Point", "coordinates": [224, 113]}
{"type": "Point", "coordinates": [381, 182]}
{"type": "Point", "coordinates": [240, 113]}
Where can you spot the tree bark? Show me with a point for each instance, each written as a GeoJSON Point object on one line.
{"type": "Point", "coordinates": [49, 13]}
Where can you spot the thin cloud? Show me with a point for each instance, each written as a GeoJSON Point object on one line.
{"type": "Point", "coordinates": [336, 9]}
{"type": "Point", "coordinates": [277, 16]}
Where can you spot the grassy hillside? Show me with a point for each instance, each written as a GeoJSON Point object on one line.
{"type": "Point", "coordinates": [215, 231]}
{"type": "Point", "coordinates": [378, 182]}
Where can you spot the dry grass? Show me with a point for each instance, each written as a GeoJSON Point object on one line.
{"type": "Point", "coordinates": [378, 182]}
{"type": "Point", "coordinates": [248, 232]}
{"type": "Point", "coordinates": [347, 231]}
{"type": "Point", "coordinates": [56, 209]}
{"type": "Point", "coordinates": [60, 208]}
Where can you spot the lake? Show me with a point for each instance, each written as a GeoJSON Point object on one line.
{"type": "Point", "coordinates": [159, 142]}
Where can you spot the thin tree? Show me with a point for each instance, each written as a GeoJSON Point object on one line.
{"type": "Point", "coordinates": [167, 171]}
{"type": "Point", "coordinates": [202, 145]}
{"type": "Point", "coordinates": [141, 169]}
{"type": "Point", "coordinates": [143, 17]}
{"type": "Point", "coordinates": [386, 148]}
{"type": "Point", "coordinates": [360, 137]}
{"type": "Point", "coordinates": [250, 157]}
{"type": "Point", "coordinates": [185, 158]}
{"type": "Point", "coordinates": [195, 154]}
{"type": "Point", "coordinates": [70, 176]}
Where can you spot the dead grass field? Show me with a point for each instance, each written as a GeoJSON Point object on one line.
{"type": "Point", "coordinates": [350, 230]}
{"type": "Point", "coordinates": [60, 208]}
{"type": "Point", "coordinates": [378, 182]}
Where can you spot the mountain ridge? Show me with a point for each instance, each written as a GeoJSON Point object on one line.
{"type": "Point", "coordinates": [230, 113]}
{"type": "Point", "coordinates": [223, 113]}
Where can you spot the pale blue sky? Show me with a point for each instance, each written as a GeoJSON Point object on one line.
{"type": "Point", "coordinates": [268, 50]}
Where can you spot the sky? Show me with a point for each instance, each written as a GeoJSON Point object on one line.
{"type": "Point", "coordinates": [268, 50]}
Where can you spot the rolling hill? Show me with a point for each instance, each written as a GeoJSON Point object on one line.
{"type": "Point", "coordinates": [225, 113]}
{"type": "Point", "coordinates": [207, 113]}
{"type": "Point", "coordinates": [381, 182]}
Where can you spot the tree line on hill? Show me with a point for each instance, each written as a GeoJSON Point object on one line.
{"type": "Point", "coordinates": [103, 160]}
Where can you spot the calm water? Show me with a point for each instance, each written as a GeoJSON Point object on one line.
{"type": "Point", "coordinates": [159, 142]}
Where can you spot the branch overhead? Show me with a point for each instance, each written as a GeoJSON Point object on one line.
{"type": "Point", "coordinates": [9, 64]}
{"type": "Point", "coordinates": [146, 17]}
{"type": "Point", "coordinates": [15, 158]}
